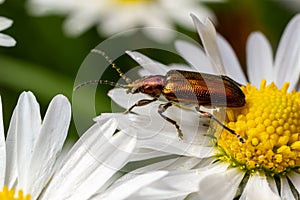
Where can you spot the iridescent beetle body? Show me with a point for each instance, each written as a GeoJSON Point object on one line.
{"type": "Point", "coordinates": [183, 88]}
{"type": "Point", "coordinates": [191, 88]}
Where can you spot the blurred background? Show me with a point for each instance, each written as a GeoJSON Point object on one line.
{"type": "Point", "coordinates": [50, 49]}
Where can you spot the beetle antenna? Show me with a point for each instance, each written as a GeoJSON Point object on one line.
{"type": "Point", "coordinates": [103, 82]}
{"type": "Point", "coordinates": [110, 61]}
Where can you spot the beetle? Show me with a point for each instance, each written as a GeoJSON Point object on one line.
{"type": "Point", "coordinates": [181, 88]}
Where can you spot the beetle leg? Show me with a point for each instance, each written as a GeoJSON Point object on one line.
{"type": "Point", "coordinates": [142, 102]}
{"type": "Point", "coordinates": [161, 109]}
{"type": "Point", "coordinates": [210, 116]}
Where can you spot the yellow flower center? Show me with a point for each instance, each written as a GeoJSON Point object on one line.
{"type": "Point", "coordinates": [7, 194]}
{"type": "Point", "coordinates": [270, 124]}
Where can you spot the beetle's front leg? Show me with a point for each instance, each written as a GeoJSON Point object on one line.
{"type": "Point", "coordinates": [142, 102]}
{"type": "Point", "coordinates": [161, 109]}
{"type": "Point", "coordinates": [210, 116]}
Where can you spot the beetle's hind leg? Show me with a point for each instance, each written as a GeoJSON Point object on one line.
{"type": "Point", "coordinates": [161, 109]}
{"type": "Point", "coordinates": [141, 102]}
{"type": "Point", "coordinates": [210, 116]}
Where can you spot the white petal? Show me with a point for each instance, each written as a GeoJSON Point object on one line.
{"type": "Point", "coordinates": [127, 100]}
{"type": "Point", "coordinates": [208, 37]}
{"type": "Point", "coordinates": [287, 60]}
{"type": "Point", "coordinates": [195, 56]}
{"type": "Point", "coordinates": [144, 154]}
{"type": "Point", "coordinates": [49, 144]}
{"type": "Point", "coordinates": [166, 144]}
{"type": "Point", "coordinates": [5, 23]}
{"type": "Point", "coordinates": [224, 182]}
{"type": "Point", "coordinates": [164, 139]}
{"type": "Point", "coordinates": [155, 68]}
{"type": "Point", "coordinates": [295, 179]}
{"type": "Point", "coordinates": [121, 20]}
{"type": "Point", "coordinates": [180, 163]}
{"type": "Point", "coordinates": [285, 189]}
{"type": "Point", "coordinates": [7, 41]}
{"type": "Point", "coordinates": [177, 66]}
{"type": "Point", "coordinates": [79, 22]}
{"type": "Point", "coordinates": [28, 123]}
{"type": "Point", "coordinates": [11, 152]}
{"type": "Point", "coordinates": [176, 184]}
{"type": "Point", "coordinates": [1, 1]}
{"type": "Point", "coordinates": [259, 59]}
{"type": "Point", "coordinates": [179, 183]}
{"type": "Point", "coordinates": [257, 186]}
{"type": "Point", "coordinates": [127, 188]}
{"type": "Point", "coordinates": [272, 184]}
{"type": "Point", "coordinates": [94, 159]}
{"type": "Point", "coordinates": [232, 66]}
{"type": "Point", "coordinates": [2, 149]}
{"type": "Point", "coordinates": [161, 35]}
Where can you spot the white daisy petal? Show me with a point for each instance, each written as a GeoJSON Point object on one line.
{"type": "Point", "coordinates": [49, 143]}
{"type": "Point", "coordinates": [11, 152]}
{"type": "Point", "coordinates": [165, 144]}
{"type": "Point", "coordinates": [178, 184]}
{"type": "Point", "coordinates": [174, 185]}
{"type": "Point", "coordinates": [208, 37]}
{"type": "Point", "coordinates": [5, 23]}
{"type": "Point", "coordinates": [272, 184]}
{"type": "Point", "coordinates": [2, 149]}
{"type": "Point", "coordinates": [104, 157]}
{"type": "Point", "coordinates": [180, 67]}
{"type": "Point", "coordinates": [152, 66]}
{"type": "Point", "coordinates": [77, 23]}
{"type": "Point", "coordinates": [232, 66]}
{"type": "Point", "coordinates": [287, 60]}
{"type": "Point", "coordinates": [259, 59]}
{"type": "Point", "coordinates": [180, 163]}
{"type": "Point", "coordinates": [195, 56]}
{"type": "Point", "coordinates": [122, 20]}
{"type": "Point", "coordinates": [285, 189]}
{"type": "Point", "coordinates": [160, 35]}
{"type": "Point", "coordinates": [257, 186]}
{"type": "Point", "coordinates": [295, 179]}
{"type": "Point", "coordinates": [144, 154]}
{"type": "Point", "coordinates": [125, 100]}
{"type": "Point", "coordinates": [28, 124]}
{"type": "Point", "coordinates": [125, 190]}
{"type": "Point", "coordinates": [225, 182]}
{"type": "Point", "coordinates": [7, 41]}
{"type": "Point", "coordinates": [1, 1]}
{"type": "Point", "coordinates": [73, 165]}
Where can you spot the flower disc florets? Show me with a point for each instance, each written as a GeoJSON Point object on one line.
{"type": "Point", "coordinates": [7, 194]}
{"type": "Point", "coordinates": [270, 124]}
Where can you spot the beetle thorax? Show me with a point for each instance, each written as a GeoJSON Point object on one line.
{"type": "Point", "coordinates": [150, 85]}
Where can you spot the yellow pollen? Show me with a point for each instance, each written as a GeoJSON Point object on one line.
{"type": "Point", "coordinates": [7, 194]}
{"type": "Point", "coordinates": [269, 122]}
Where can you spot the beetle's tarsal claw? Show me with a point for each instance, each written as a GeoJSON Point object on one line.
{"type": "Point", "coordinates": [180, 134]}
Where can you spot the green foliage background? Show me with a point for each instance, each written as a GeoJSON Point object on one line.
{"type": "Point", "coordinates": [45, 61]}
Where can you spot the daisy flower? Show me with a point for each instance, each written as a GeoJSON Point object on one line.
{"type": "Point", "coordinates": [113, 16]}
{"type": "Point", "coordinates": [215, 163]}
{"type": "Point", "coordinates": [32, 147]}
{"type": "Point", "coordinates": [6, 40]}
